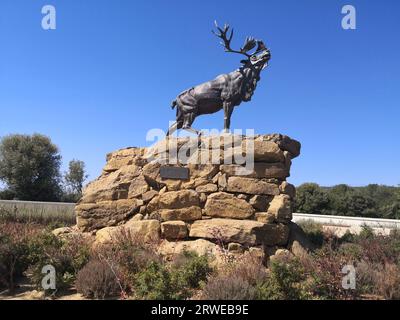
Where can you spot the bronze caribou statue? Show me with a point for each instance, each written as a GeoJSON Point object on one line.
{"type": "Point", "coordinates": [227, 90]}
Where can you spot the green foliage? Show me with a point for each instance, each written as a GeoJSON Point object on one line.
{"type": "Point", "coordinates": [74, 180]}
{"type": "Point", "coordinates": [286, 281]}
{"type": "Point", "coordinates": [30, 167]}
{"type": "Point", "coordinates": [371, 201]}
{"type": "Point", "coordinates": [310, 198]}
{"type": "Point", "coordinates": [66, 256]}
{"type": "Point", "coordinates": [155, 283]}
{"type": "Point", "coordinates": [6, 194]}
{"type": "Point", "coordinates": [191, 270]}
{"type": "Point", "coordinates": [177, 281]}
{"type": "Point", "coordinates": [313, 231]}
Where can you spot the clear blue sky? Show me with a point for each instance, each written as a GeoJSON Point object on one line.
{"type": "Point", "coordinates": [109, 71]}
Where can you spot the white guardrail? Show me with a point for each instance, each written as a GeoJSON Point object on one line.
{"type": "Point", "coordinates": [341, 224]}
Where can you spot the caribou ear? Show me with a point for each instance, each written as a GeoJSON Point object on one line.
{"type": "Point", "coordinates": [261, 46]}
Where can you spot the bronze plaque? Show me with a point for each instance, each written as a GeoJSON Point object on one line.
{"type": "Point", "coordinates": [178, 173]}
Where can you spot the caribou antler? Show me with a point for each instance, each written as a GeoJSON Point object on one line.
{"type": "Point", "coordinates": [248, 45]}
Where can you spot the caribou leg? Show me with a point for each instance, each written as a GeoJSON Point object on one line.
{"type": "Point", "coordinates": [228, 109]}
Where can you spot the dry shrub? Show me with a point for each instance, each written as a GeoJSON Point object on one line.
{"type": "Point", "coordinates": [381, 280]}
{"type": "Point", "coordinates": [130, 253]}
{"type": "Point", "coordinates": [14, 251]}
{"type": "Point", "coordinates": [224, 287]}
{"type": "Point", "coordinates": [248, 267]}
{"type": "Point", "coordinates": [325, 269]}
{"type": "Point", "coordinates": [97, 280]}
{"type": "Point", "coordinates": [236, 280]}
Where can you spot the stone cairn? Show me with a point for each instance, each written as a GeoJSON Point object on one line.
{"type": "Point", "coordinates": [221, 203]}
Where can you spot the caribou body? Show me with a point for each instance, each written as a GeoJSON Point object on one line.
{"type": "Point", "coordinates": [227, 90]}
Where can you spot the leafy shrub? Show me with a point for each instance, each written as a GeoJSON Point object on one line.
{"type": "Point", "coordinates": [155, 283]}
{"type": "Point", "coordinates": [314, 231]}
{"type": "Point", "coordinates": [190, 269]}
{"type": "Point", "coordinates": [97, 280]}
{"type": "Point", "coordinates": [67, 257]}
{"type": "Point", "coordinates": [174, 281]}
{"type": "Point", "coordinates": [286, 280]}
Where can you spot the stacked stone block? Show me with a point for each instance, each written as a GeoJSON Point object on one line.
{"type": "Point", "coordinates": [221, 202]}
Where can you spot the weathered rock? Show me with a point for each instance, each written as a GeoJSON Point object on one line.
{"type": "Point", "coordinates": [281, 208]}
{"type": "Point", "coordinates": [267, 151]}
{"type": "Point", "coordinates": [60, 231]}
{"type": "Point", "coordinates": [117, 160]}
{"type": "Point", "coordinates": [259, 202]}
{"type": "Point", "coordinates": [137, 217]}
{"type": "Point", "coordinates": [235, 247]}
{"type": "Point", "coordinates": [298, 242]}
{"type": "Point", "coordinates": [148, 229]}
{"type": "Point", "coordinates": [226, 205]}
{"type": "Point", "coordinates": [92, 216]}
{"type": "Point", "coordinates": [200, 246]}
{"type": "Point", "coordinates": [111, 186]}
{"type": "Point", "coordinates": [251, 186]}
{"type": "Point", "coordinates": [288, 189]}
{"type": "Point", "coordinates": [138, 187]}
{"type": "Point", "coordinates": [242, 196]}
{"type": "Point", "coordinates": [207, 188]}
{"type": "Point", "coordinates": [265, 217]}
{"type": "Point", "coordinates": [106, 235]}
{"type": "Point", "coordinates": [222, 182]}
{"type": "Point", "coordinates": [280, 254]}
{"type": "Point", "coordinates": [147, 196]}
{"type": "Point", "coordinates": [245, 232]}
{"type": "Point", "coordinates": [185, 214]}
{"type": "Point", "coordinates": [205, 171]}
{"type": "Point", "coordinates": [257, 252]}
{"type": "Point", "coordinates": [284, 142]}
{"type": "Point", "coordinates": [174, 200]}
{"type": "Point", "coordinates": [260, 170]}
{"type": "Point", "coordinates": [203, 199]}
{"type": "Point", "coordinates": [174, 230]}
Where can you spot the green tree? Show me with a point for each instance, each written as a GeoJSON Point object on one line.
{"type": "Point", "coordinates": [30, 167]}
{"type": "Point", "coordinates": [74, 179]}
{"type": "Point", "coordinates": [311, 198]}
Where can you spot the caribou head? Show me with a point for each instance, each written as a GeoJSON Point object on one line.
{"type": "Point", "coordinates": [258, 59]}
